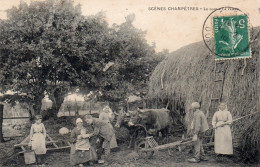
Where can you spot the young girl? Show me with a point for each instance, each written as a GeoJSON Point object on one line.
{"type": "Point", "coordinates": [37, 138]}
{"type": "Point", "coordinates": [223, 138]}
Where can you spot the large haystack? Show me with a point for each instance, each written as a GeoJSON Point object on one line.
{"type": "Point", "coordinates": [187, 75]}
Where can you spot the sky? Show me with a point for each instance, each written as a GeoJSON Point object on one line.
{"type": "Point", "coordinates": [169, 29]}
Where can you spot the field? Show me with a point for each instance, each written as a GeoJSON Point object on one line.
{"type": "Point", "coordinates": [123, 156]}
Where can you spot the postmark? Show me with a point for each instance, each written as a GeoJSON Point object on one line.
{"type": "Point", "coordinates": [226, 33]}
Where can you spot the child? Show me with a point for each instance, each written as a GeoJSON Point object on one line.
{"type": "Point", "coordinates": [37, 138]}
{"type": "Point", "coordinates": [82, 141]}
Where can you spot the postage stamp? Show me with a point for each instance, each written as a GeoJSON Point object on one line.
{"type": "Point", "coordinates": [227, 33]}
{"type": "Point", "coordinates": [231, 37]}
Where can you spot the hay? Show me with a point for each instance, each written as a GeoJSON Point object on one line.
{"type": "Point", "coordinates": [188, 75]}
{"type": "Point", "coordinates": [250, 143]}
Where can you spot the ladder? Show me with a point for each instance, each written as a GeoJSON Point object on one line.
{"type": "Point", "coordinates": [216, 97]}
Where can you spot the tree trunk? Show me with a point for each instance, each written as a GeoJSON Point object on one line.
{"type": "Point", "coordinates": [57, 98]}
{"type": "Point", "coordinates": [37, 105]}
{"type": "Point", "coordinates": [31, 114]}
{"type": "Point", "coordinates": [1, 122]}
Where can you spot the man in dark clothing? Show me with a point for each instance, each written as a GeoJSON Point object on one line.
{"type": "Point", "coordinates": [198, 126]}
{"type": "Point", "coordinates": [104, 131]}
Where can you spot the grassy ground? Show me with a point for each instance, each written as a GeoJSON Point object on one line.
{"type": "Point", "coordinates": [124, 156]}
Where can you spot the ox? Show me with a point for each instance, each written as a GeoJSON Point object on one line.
{"type": "Point", "coordinates": [154, 120]}
{"type": "Point", "coordinates": [123, 120]}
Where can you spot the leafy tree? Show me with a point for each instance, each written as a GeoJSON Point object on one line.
{"type": "Point", "coordinates": [133, 61]}
{"type": "Point", "coordinates": [49, 47]}
{"type": "Point", "coordinates": [37, 42]}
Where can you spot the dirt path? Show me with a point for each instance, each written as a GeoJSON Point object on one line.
{"type": "Point", "coordinates": [128, 158]}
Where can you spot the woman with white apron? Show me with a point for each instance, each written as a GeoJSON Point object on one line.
{"type": "Point", "coordinates": [223, 138]}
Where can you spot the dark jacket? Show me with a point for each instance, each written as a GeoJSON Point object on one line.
{"type": "Point", "coordinates": [103, 129]}
{"type": "Point", "coordinates": [200, 123]}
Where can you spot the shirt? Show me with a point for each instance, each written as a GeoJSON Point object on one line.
{"type": "Point", "coordinates": [200, 123]}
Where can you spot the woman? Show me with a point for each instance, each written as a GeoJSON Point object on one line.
{"type": "Point", "coordinates": [223, 138]}
{"type": "Point", "coordinates": [106, 115]}
{"type": "Point", "coordinates": [81, 150]}
{"type": "Point", "coordinates": [37, 138]}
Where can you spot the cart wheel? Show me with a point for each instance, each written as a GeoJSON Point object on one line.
{"type": "Point", "coordinates": [144, 154]}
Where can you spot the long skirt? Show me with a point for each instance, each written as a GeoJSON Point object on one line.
{"type": "Point", "coordinates": [38, 144]}
{"type": "Point", "coordinates": [79, 157]}
{"type": "Point", "coordinates": [113, 142]}
{"type": "Point", "coordinates": [223, 140]}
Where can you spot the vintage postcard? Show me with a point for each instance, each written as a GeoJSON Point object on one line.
{"type": "Point", "coordinates": [136, 83]}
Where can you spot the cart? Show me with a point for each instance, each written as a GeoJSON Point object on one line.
{"type": "Point", "coordinates": [148, 146]}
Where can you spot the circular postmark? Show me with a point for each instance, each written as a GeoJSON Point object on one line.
{"type": "Point", "coordinates": [227, 32]}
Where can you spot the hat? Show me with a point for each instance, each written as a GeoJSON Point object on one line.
{"type": "Point", "coordinates": [79, 120]}
{"type": "Point", "coordinates": [195, 105]}
{"type": "Point", "coordinates": [38, 117]}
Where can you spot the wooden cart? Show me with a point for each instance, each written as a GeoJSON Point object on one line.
{"type": "Point", "coordinates": [148, 146]}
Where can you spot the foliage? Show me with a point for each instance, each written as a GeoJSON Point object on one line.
{"type": "Point", "coordinates": [49, 47]}
{"type": "Point", "coordinates": [134, 60]}
{"type": "Point", "coordinates": [37, 41]}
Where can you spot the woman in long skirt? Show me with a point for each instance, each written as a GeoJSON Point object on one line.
{"type": "Point", "coordinates": [223, 138]}
{"type": "Point", "coordinates": [81, 150]}
{"type": "Point", "coordinates": [107, 115]}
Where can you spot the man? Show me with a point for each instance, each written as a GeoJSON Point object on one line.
{"type": "Point", "coordinates": [105, 132]}
{"type": "Point", "coordinates": [199, 126]}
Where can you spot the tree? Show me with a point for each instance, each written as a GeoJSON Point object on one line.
{"type": "Point", "coordinates": [133, 61]}
{"type": "Point", "coordinates": [48, 47]}
{"type": "Point", "coordinates": [37, 42]}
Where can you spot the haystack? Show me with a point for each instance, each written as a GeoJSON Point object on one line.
{"type": "Point", "coordinates": [187, 75]}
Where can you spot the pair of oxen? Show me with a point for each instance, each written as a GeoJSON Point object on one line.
{"type": "Point", "coordinates": [145, 122]}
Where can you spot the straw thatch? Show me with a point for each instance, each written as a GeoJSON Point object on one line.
{"type": "Point", "coordinates": [250, 143]}
{"type": "Point", "coordinates": [187, 75]}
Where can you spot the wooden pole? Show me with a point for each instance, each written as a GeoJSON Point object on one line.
{"type": "Point", "coordinates": [1, 122]}
{"type": "Point", "coordinates": [167, 146]}
{"type": "Point", "coordinates": [127, 105]}
{"type": "Point", "coordinates": [258, 83]}
{"type": "Point", "coordinates": [156, 102]}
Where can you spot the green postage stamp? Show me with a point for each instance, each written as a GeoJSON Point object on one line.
{"type": "Point", "coordinates": [231, 37]}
